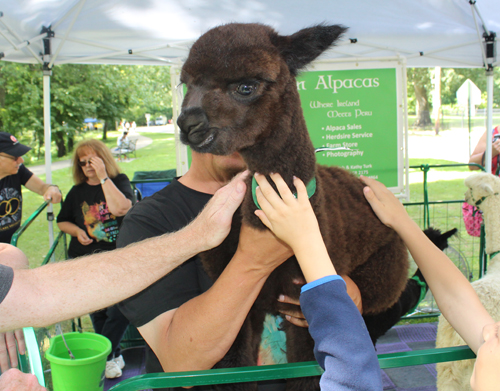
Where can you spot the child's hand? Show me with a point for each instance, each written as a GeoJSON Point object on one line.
{"type": "Point", "coordinates": [385, 204]}
{"type": "Point", "coordinates": [290, 219]}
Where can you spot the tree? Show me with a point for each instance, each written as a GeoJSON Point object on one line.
{"type": "Point", "coordinates": [420, 79]}
{"type": "Point", "coordinates": [111, 93]}
{"type": "Point", "coordinates": [21, 100]}
{"type": "Point", "coordinates": [108, 92]}
{"type": "Point", "coordinates": [152, 92]}
{"type": "Point", "coordinates": [71, 103]}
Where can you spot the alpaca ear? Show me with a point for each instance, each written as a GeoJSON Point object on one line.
{"type": "Point", "coordinates": [305, 45]}
{"type": "Point", "coordinates": [486, 188]}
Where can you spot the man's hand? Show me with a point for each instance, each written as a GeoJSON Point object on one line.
{"type": "Point", "coordinates": [15, 380]}
{"type": "Point", "coordinates": [262, 248]}
{"type": "Point", "coordinates": [8, 349]}
{"type": "Point", "coordinates": [52, 194]}
{"type": "Point", "coordinates": [294, 315]}
{"type": "Point", "coordinates": [214, 222]}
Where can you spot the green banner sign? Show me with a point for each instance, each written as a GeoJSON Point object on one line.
{"type": "Point", "coordinates": [356, 110]}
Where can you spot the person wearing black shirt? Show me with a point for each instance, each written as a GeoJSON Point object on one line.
{"type": "Point", "coordinates": [13, 174]}
{"type": "Point", "coordinates": [92, 213]}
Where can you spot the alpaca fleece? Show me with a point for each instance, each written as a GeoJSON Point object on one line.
{"type": "Point", "coordinates": [242, 97]}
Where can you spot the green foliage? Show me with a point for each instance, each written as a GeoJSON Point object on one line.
{"type": "Point", "coordinates": [453, 78]}
{"type": "Point", "coordinates": [152, 95]}
{"type": "Point", "coordinates": [107, 92]}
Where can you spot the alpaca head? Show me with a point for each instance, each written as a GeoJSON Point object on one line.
{"type": "Point", "coordinates": [480, 187]}
{"type": "Point", "coordinates": [241, 84]}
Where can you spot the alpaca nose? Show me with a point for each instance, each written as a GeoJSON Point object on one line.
{"type": "Point", "coordinates": [193, 124]}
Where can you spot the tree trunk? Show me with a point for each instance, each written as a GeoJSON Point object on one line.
{"type": "Point", "coordinates": [71, 143]}
{"type": "Point", "coordinates": [105, 130]}
{"type": "Point", "coordinates": [61, 147]}
{"type": "Point", "coordinates": [436, 99]}
{"type": "Point", "coordinates": [423, 112]}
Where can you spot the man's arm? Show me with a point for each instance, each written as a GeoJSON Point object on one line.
{"type": "Point", "coordinates": [55, 292]}
{"type": "Point", "coordinates": [13, 379]}
{"type": "Point", "coordinates": [13, 257]}
{"type": "Point", "coordinates": [49, 192]}
{"type": "Point", "coordinates": [200, 332]}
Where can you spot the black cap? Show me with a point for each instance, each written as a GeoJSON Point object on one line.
{"type": "Point", "coordinates": [11, 146]}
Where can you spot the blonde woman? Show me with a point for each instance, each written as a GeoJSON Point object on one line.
{"type": "Point", "coordinates": [92, 213]}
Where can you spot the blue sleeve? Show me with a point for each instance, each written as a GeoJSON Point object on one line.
{"type": "Point", "coordinates": [342, 345]}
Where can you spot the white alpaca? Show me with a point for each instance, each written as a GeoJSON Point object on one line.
{"type": "Point", "coordinates": [483, 192]}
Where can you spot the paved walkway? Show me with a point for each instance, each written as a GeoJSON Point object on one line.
{"type": "Point", "coordinates": [142, 141]}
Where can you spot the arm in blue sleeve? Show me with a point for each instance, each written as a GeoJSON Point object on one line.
{"type": "Point", "coordinates": [342, 345]}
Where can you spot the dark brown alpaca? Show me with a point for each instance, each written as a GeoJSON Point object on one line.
{"type": "Point", "coordinates": [242, 96]}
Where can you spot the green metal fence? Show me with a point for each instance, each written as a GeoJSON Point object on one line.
{"type": "Point", "coordinates": [32, 362]}
{"type": "Point", "coordinates": [467, 252]}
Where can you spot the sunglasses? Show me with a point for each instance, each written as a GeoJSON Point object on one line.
{"type": "Point", "coordinates": [83, 163]}
{"type": "Point", "coordinates": [10, 157]}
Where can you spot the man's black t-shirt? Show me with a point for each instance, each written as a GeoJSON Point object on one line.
{"type": "Point", "coordinates": [168, 210]}
{"type": "Point", "coordinates": [11, 202]}
{"type": "Point", "coordinates": [6, 278]}
{"type": "Point", "coordinates": [86, 207]}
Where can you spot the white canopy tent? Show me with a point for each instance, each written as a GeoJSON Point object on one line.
{"type": "Point", "coordinates": [426, 33]}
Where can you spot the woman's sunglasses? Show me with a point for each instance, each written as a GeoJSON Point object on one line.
{"type": "Point", "coordinates": [83, 163]}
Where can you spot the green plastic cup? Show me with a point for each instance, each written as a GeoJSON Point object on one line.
{"type": "Point", "coordinates": [86, 371]}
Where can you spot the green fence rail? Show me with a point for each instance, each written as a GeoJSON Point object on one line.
{"type": "Point", "coordinates": [282, 371]}
{"type": "Point", "coordinates": [27, 223]}
{"type": "Point", "coordinates": [59, 241]}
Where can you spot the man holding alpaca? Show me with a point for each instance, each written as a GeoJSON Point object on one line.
{"type": "Point", "coordinates": [187, 322]}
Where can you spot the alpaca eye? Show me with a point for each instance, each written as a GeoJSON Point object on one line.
{"type": "Point", "coordinates": [246, 88]}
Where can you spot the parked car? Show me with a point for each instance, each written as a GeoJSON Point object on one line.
{"type": "Point", "coordinates": [160, 121]}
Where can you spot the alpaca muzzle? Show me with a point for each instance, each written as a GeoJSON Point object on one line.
{"type": "Point", "coordinates": [194, 127]}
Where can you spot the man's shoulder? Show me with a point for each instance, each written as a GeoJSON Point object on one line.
{"type": "Point", "coordinates": [174, 196]}
{"type": "Point", "coordinates": [168, 210]}
{"type": "Point", "coordinates": [16, 179]}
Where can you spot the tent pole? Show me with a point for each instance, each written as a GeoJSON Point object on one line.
{"type": "Point", "coordinates": [489, 117]}
{"type": "Point", "coordinates": [48, 157]}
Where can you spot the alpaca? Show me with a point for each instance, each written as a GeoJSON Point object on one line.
{"type": "Point", "coordinates": [242, 97]}
{"type": "Point", "coordinates": [483, 189]}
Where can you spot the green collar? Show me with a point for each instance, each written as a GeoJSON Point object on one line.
{"type": "Point", "coordinates": [494, 254]}
{"type": "Point", "coordinates": [480, 201]}
{"type": "Point", "coordinates": [311, 189]}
